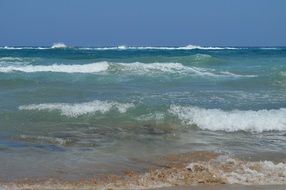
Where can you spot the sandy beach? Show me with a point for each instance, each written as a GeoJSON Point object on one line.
{"type": "Point", "coordinates": [228, 187]}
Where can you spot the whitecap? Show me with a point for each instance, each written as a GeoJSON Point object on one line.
{"type": "Point", "coordinates": [235, 120]}
{"type": "Point", "coordinates": [86, 68]}
{"type": "Point", "coordinates": [24, 48]}
{"type": "Point", "coordinates": [78, 109]}
{"type": "Point", "coordinates": [59, 45]}
{"type": "Point", "coordinates": [145, 68]}
{"type": "Point", "coordinates": [270, 48]}
{"type": "Point", "coordinates": [135, 68]}
{"type": "Point", "coordinates": [188, 47]}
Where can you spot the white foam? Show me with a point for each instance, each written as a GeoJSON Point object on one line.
{"type": "Point", "coordinates": [10, 59]}
{"type": "Point", "coordinates": [216, 119]}
{"type": "Point", "coordinates": [24, 48]}
{"type": "Point", "coordinates": [201, 57]}
{"type": "Point", "coordinates": [15, 61]}
{"type": "Point", "coordinates": [249, 173]}
{"type": "Point", "coordinates": [45, 139]}
{"type": "Point", "coordinates": [86, 68]}
{"type": "Point", "coordinates": [152, 67]}
{"type": "Point", "coordinates": [59, 45]}
{"type": "Point", "coordinates": [135, 67]}
{"type": "Point", "coordinates": [78, 109]}
{"type": "Point", "coordinates": [14, 48]}
{"type": "Point", "coordinates": [123, 47]}
{"type": "Point", "coordinates": [143, 68]}
{"type": "Point", "coordinates": [264, 172]}
{"type": "Point", "coordinates": [151, 117]}
{"type": "Point", "coordinates": [270, 48]}
{"type": "Point", "coordinates": [188, 47]}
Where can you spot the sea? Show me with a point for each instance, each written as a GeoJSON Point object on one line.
{"type": "Point", "coordinates": [81, 112]}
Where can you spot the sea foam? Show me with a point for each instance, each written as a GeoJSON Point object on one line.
{"type": "Point", "coordinates": [146, 68]}
{"type": "Point", "coordinates": [44, 139]}
{"type": "Point", "coordinates": [236, 171]}
{"type": "Point", "coordinates": [235, 120]}
{"type": "Point", "coordinates": [59, 45]}
{"type": "Point", "coordinates": [135, 67]}
{"type": "Point", "coordinates": [188, 47]}
{"type": "Point", "coordinates": [78, 109]}
{"type": "Point", "coordinates": [262, 173]}
{"type": "Point", "coordinates": [86, 68]}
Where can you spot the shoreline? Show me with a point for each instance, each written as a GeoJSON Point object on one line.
{"type": "Point", "coordinates": [196, 170]}
{"type": "Point", "coordinates": [227, 187]}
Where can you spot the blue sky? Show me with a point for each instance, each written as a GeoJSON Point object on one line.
{"type": "Point", "coordinates": [143, 22]}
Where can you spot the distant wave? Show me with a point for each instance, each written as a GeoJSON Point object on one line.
{"type": "Point", "coordinates": [24, 48]}
{"type": "Point", "coordinates": [143, 68]}
{"type": "Point", "coordinates": [188, 47]}
{"type": "Point", "coordinates": [236, 120]}
{"type": "Point", "coordinates": [14, 61]}
{"type": "Point", "coordinates": [135, 67]}
{"type": "Point", "coordinates": [270, 48]}
{"type": "Point", "coordinates": [10, 59]}
{"type": "Point", "coordinates": [78, 109]}
{"type": "Point", "coordinates": [59, 45]}
{"type": "Point", "coordinates": [123, 47]}
{"type": "Point", "coordinates": [86, 68]}
{"type": "Point", "coordinates": [15, 48]}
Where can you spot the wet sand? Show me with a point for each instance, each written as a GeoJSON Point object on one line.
{"type": "Point", "coordinates": [198, 170]}
{"type": "Point", "coordinates": [228, 187]}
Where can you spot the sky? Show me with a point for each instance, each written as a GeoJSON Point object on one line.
{"type": "Point", "coordinates": [143, 22]}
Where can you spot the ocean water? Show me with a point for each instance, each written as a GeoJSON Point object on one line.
{"type": "Point", "coordinates": [84, 111]}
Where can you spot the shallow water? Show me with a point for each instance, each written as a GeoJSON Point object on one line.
{"type": "Point", "coordinates": [83, 112]}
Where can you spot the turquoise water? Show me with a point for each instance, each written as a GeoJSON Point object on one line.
{"type": "Point", "coordinates": [78, 112]}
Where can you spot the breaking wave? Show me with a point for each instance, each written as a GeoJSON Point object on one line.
{"type": "Point", "coordinates": [23, 48]}
{"type": "Point", "coordinates": [145, 68]}
{"type": "Point", "coordinates": [78, 109]}
{"type": "Point", "coordinates": [87, 68]}
{"type": "Point", "coordinates": [59, 45]}
{"type": "Point", "coordinates": [188, 47]}
{"type": "Point", "coordinates": [135, 67]}
{"type": "Point", "coordinates": [236, 120]}
{"type": "Point", "coordinates": [123, 47]}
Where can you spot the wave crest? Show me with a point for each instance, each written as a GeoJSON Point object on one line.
{"type": "Point", "coordinates": [86, 68]}
{"type": "Point", "coordinates": [135, 67]}
{"type": "Point", "coordinates": [236, 120]}
{"type": "Point", "coordinates": [44, 140]}
{"type": "Point", "coordinates": [59, 45]}
{"type": "Point", "coordinates": [188, 47]}
{"type": "Point", "coordinates": [78, 109]}
{"type": "Point", "coordinates": [145, 68]}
